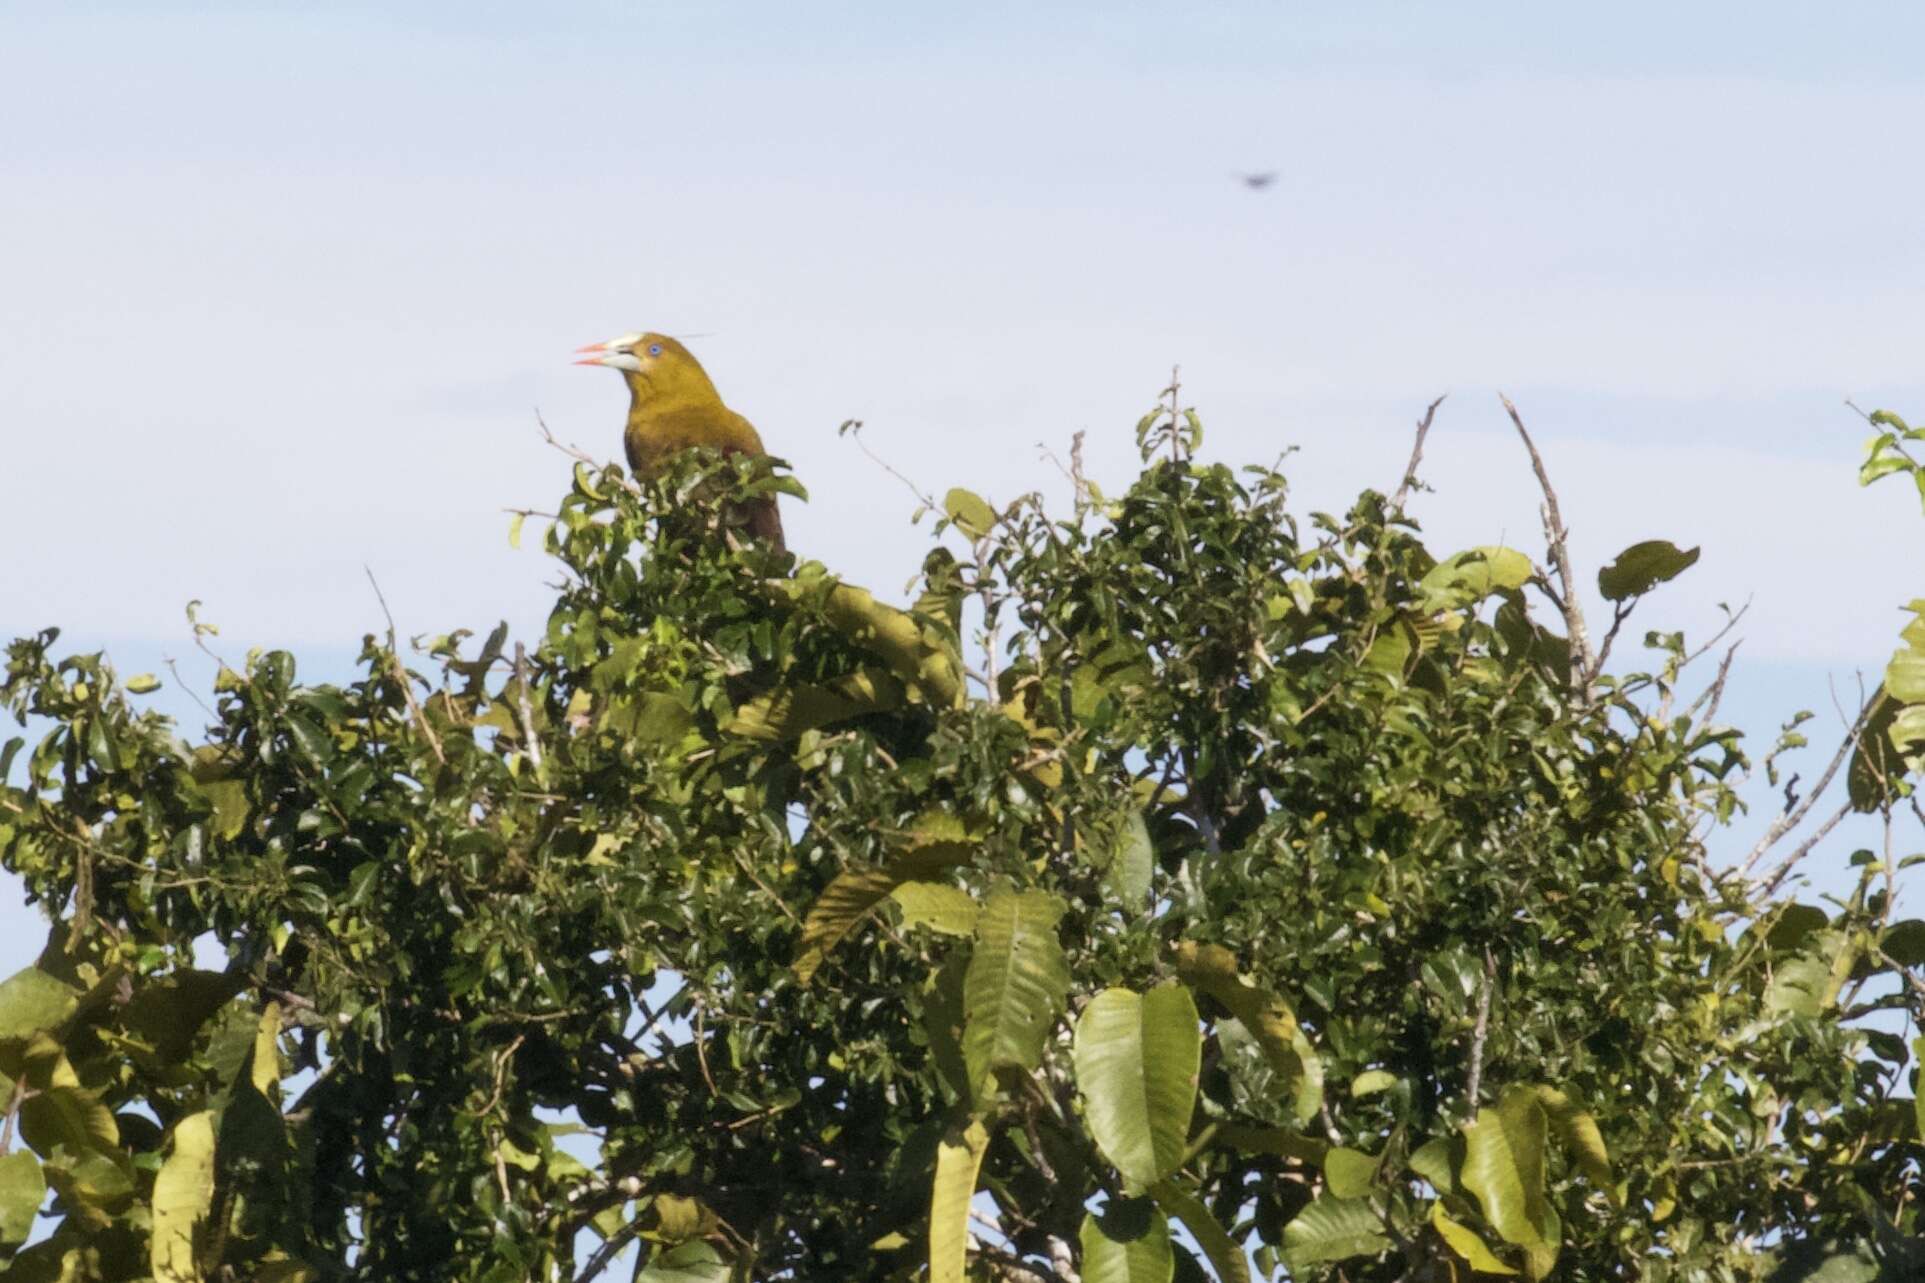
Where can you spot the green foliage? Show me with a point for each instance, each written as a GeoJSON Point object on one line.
{"type": "Point", "coordinates": [1271, 879]}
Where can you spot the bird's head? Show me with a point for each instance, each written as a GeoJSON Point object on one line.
{"type": "Point", "coordinates": [655, 367]}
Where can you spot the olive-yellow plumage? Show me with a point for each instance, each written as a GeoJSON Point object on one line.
{"type": "Point", "coordinates": [673, 406]}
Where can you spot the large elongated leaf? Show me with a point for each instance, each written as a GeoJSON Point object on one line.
{"type": "Point", "coordinates": [959, 1158]}
{"type": "Point", "coordinates": [1463, 1240]}
{"type": "Point", "coordinates": [1016, 983]}
{"type": "Point", "coordinates": [183, 1195]}
{"type": "Point", "coordinates": [912, 650]}
{"type": "Point", "coordinates": [1136, 1064]}
{"type": "Point", "coordinates": [1579, 1133]}
{"type": "Point", "coordinates": [1504, 1168]}
{"type": "Point", "coordinates": [1333, 1229]}
{"type": "Point", "coordinates": [854, 893]}
{"type": "Point", "coordinates": [786, 713]}
{"type": "Point", "coordinates": [1212, 969]}
{"type": "Point", "coordinates": [1129, 1242]}
{"type": "Point", "coordinates": [1119, 845]}
{"type": "Point", "coordinates": [1226, 1255]}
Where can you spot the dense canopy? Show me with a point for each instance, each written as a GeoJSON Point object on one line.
{"type": "Point", "coordinates": [1244, 894]}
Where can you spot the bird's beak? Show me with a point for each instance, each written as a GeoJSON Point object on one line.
{"type": "Point", "coordinates": [615, 353]}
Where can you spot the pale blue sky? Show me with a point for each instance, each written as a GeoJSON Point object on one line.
{"type": "Point", "coordinates": [285, 285]}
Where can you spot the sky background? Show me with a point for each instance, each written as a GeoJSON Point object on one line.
{"type": "Point", "coordinates": [282, 288]}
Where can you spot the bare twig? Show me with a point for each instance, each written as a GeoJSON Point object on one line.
{"type": "Point", "coordinates": [1061, 1257]}
{"type": "Point", "coordinates": [1416, 456]}
{"type": "Point", "coordinates": [192, 694]}
{"type": "Point", "coordinates": [1176, 414]}
{"type": "Point", "coordinates": [1785, 866]}
{"type": "Point", "coordinates": [1620, 611]}
{"type": "Point", "coordinates": [1481, 1033]}
{"type": "Point", "coordinates": [525, 709]}
{"type": "Point", "coordinates": [401, 674]}
{"type": "Point", "coordinates": [1794, 816]}
{"type": "Point", "coordinates": [609, 1250]}
{"type": "Point", "coordinates": [1713, 695]}
{"type": "Point", "coordinates": [853, 428]}
{"type": "Point", "coordinates": [1584, 662]}
{"type": "Point", "coordinates": [578, 454]}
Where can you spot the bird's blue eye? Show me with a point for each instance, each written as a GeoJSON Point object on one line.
{"type": "Point", "coordinates": [655, 349]}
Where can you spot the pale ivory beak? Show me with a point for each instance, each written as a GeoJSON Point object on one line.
{"type": "Point", "coordinates": [615, 353]}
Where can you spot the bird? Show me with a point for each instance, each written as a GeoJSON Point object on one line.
{"type": "Point", "coordinates": [1256, 182]}
{"type": "Point", "coordinates": [673, 405]}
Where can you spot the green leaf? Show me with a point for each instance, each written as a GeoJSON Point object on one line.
{"type": "Point", "coordinates": [1392, 651]}
{"type": "Point", "coordinates": [1905, 676]}
{"type": "Point", "coordinates": [1130, 860]}
{"type": "Point", "coordinates": [1212, 969]}
{"type": "Point", "coordinates": [70, 1116]}
{"type": "Point", "coordinates": [1016, 983]}
{"type": "Point", "coordinates": [853, 894]}
{"type": "Point", "coordinates": [1904, 942]}
{"type": "Point", "coordinates": [1642, 567]}
{"type": "Point", "coordinates": [514, 529]}
{"type": "Point", "coordinates": [142, 684]}
{"type": "Point", "coordinates": [1798, 985]}
{"type": "Point", "coordinates": [32, 1002]}
{"type": "Point", "coordinates": [1128, 1242]}
{"type": "Point", "coordinates": [959, 1157]}
{"type": "Point", "coordinates": [970, 513]}
{"type": "Point", "coordinates": [941, 906]}
{"type": "Point", "coordinates": [691, 1262]}
{"type": "Point", "coordinates": [228, 797]}
{"type": "Point", "coordinates": [183, 1195]}
{"type": "Point", "coordinates": [23, 1187]}
{"type": "Point", "coordinates": [1333, 1229]}
{"type": "Point", "coordinates": [1225, 1253]}
{"type": "Point", "coordinates": [170, 1011]}
{"type": "Point", "coordinates": [1918, 1087]}
{"type": "Point", "coordinates": [1876, 768]}
{"type": "Point", "coordinates": [1579, 1134]}
{"type": "Point", "coordinates": [1469, 577]}
{"type": "Point", "coordinates": [1464, 1241]}
{"type": "Point", "coordinates": [1349, 1173]}
{"type": "Point", "coordinates": [1370, 1082]}
{"type": "Point", "coordinates": [1436, 1161]}
{"type": "Point", "coordinates": [1504, 1167]}
{"type": "Point", "coordinates": [1136, 1059]}
{"type": "Point", "coordinates": [788, 712]}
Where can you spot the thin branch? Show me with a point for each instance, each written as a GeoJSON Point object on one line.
{"type": "Point", "coordinates": [1584, 662]}
{"type": "Point", "coordinates": [525, 709]}
{"type": "Point", "coordinates": [1620, 611]}
{"type": "Point", "coordinates": [854, 428]}
{"type": "Point", "coordinates": [609, 1250]}
{"type": "Point", "coordinates": [578, 454]}
{"type": "Point", "coordinates": [1713, 695]}
{"type": "Point", "coordinates": [401, 674]}
{"type": "Point", "coordinates": [16, 1098]}
{"type": "Point", "coordinates": [192, 694]}
{"type": "Point", "coordinates": [1416, 456]}
{"type": "Point", "coordinates": [1785, 866]}
{"type": "Point", "coordinates": [1481, 1033]}
{"type": "Point", "coordinates": [1795, 816]}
